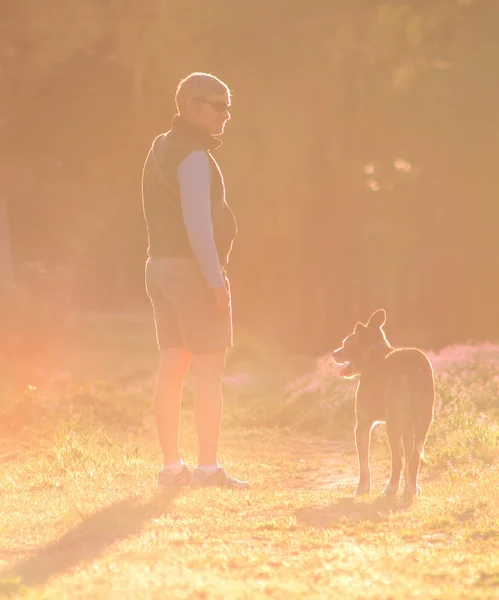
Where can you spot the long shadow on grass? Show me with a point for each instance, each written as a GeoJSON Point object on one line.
{"type": "Point", "coordinates": [349, 510]}
{"type": "Point", "coordinates": [91, 537]}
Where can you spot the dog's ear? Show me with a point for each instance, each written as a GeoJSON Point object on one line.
{"type": "Point", "coordinates": [378, 319]}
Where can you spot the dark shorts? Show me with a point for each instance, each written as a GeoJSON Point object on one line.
{"type": "Point", "coordinates": [184, 307]}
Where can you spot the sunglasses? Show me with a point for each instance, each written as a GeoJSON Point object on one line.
{"type": "Point", "coordinates": [217, 106]}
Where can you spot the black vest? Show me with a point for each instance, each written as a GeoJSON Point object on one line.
{"type": "Point", "coordinates": [161, 193]}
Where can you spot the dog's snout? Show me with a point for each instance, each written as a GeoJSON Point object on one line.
{"type": "Point", "coordinates": [338, 355]}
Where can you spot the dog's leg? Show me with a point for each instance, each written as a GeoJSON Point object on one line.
{"type": "Point", "coordinates": [408, 442]}
{"type": "Point", "coordinates": [411, 487]}
{"type": "Point", "coordinates": [396, 402]}
{"type": "Point", "coordinates": [421, 431]}
{"type": "Point", "coordinates": [425, 395]}
{"type": "Point", "coordinates": [394, 432]}
{"type": "Point", "coordinates": [362, 442]}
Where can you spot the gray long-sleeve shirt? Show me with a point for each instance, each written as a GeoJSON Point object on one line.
{"type": "Point", "coordinates": [194, 178]}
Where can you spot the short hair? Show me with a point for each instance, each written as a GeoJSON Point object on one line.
{"type": "Point", "coordinates": [198, 85]}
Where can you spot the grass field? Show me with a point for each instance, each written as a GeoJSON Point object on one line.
{"type": "Point", "coordinates": [81, 516]}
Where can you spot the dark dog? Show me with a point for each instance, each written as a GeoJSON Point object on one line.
{"type": "Point", "coordinates": [396, 387]}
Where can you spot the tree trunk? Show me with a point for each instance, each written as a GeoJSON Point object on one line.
{"type": "Point", "coordinates": [6, 261]}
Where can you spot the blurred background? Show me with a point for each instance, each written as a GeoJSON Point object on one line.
{"type": "Point", "coordinates": [360, 160]}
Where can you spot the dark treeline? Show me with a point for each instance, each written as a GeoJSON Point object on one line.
{"type": "Point", "coordinates": [359, 160]}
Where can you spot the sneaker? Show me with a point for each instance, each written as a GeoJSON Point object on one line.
{"type": "Point", "coordinates": [219, 479]}
{"type": "Point", "coordinates": [167, 479]}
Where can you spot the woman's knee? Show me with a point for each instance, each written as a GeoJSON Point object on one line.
{"type": "Point", "coordinates": [210, 365]}
{"type": "Point", "coordinates": [174, 363]}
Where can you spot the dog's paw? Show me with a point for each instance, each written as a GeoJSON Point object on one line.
{"type": "Point", "coordinates": [411, 491]}
{"type": "Point", "coordinates": [391, 489]}
{"type": "Point", "coordinates": [363, 488]}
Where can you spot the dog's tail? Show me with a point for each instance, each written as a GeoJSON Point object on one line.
{"type": "Point", "coordinates": [423, 401]}
{"type": "Point", "coordinates": [421, 428]}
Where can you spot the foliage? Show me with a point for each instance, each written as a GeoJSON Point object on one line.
{"type": "Point", "coordinates": [79, 507]}
{"type": "Point", "coordinates": [357, 161]}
